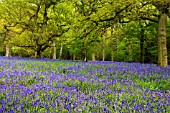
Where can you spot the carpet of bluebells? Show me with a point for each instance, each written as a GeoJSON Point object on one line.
{"type": "Point", "coordinates": [53, 86]}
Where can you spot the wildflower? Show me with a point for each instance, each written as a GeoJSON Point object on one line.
{"type": "Point", "coordinates": [105, 109]}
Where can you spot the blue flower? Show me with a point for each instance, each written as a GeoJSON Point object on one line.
{"type": "Point", "coordinates": [2, 110]}
{"type": "Point", "coordinates": [105, 109]}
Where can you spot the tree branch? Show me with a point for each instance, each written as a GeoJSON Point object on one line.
{"type": "Point", "coordinates": [117, 13]}
{"type": "Point", "coordinates": [149, 18]}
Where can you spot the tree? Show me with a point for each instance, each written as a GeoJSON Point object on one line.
{"type": "Point", "coordinates": [84, 9]}
{"type": "Point", "coordinates": [163, 7]}
{"type": "Point", "coordinates": [9, 27]}
{"type": "Point", "coordinates": [40, 21]}
{"type": "Point", "coordinates": [119, 13]}
{"type": "Point", "coordinates": [80, 26]}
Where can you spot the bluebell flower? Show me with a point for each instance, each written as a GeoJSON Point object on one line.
{"type": "Point", "coordinates": [75, 105]}
{"type": "Point", "coordinates": [2, 110]}
{"type": "Point", "coordinates": [105, 109]}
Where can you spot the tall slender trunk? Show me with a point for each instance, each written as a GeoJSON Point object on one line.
{"type": "Point", "coordinates": [103, 59]}
{"type": "Point", "coordinates": [116, 52]}
{"type": "Point", "coordinates": [159, 44]}
{"type": "Point", "coordinates": [35, 54]}
{"type": "Point", "coordinates": [112, 44]}
{"type": "Point", "coordinates": [162, 48]}
{"type": "Point", "coordinates": [93, 56]}
{"type": "Point", "coordinates": [84, 52]}
{"type": "Point", "coordinates": [61, 51]}
{"type": "Point", "coordinates": [98, 55]}
{"type": "Point", "coordinates": [54, 50]}
{"type": "Point", "coordinates": [103, 48]}
{"type": "Point", "coordinates": [8, 51]}
{"type": "Point", "coordinates": [130, 53]}
{"type": "Point", "coordinates": [142, 49]}
{"type": "Point", "coordinates": [74, 57]}
{"type": "Point", "coordinates": [85, 55]}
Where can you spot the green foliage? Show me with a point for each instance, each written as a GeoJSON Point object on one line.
{"type": "Point", "coordinates": [152, 82]}
{"type": "Point", "coordinates": [2, 80]}
{"type": "Point", "coordinates": [104, 27]}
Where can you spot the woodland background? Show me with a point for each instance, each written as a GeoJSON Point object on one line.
{"type": "Point", "coordinates": [113, 30]}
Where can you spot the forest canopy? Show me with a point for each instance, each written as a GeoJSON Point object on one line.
{"type": "Point", "coordinates": [113, 30]}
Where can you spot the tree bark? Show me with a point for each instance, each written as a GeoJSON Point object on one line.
{"type": "Point", "coordinates": [162, 47]}
{"type": "Point", "coordinates": [103, 55]}
{"type": "Point", "coordinates": [38, 54]}
{"type": "Point", "coordinates": [74, 57]}
{"type": "Point", "coordinates": [8, 51]}
{"type": "Point", "coordinates": [61, 51]}
{"type": "Point", "coordinates": [84, 53]}
{"type": "Point", "coordinates": [93, 56]}
{"type": "Point", "coordinates": [142, 49]}
{"type": "Point", "coordinates": [35, 54]}
{"type": "Point", "coordinates": [112, 44]}
{"type": "Point", "coordinates": [103, 51]}
{"type": "Point", "coordinates": [84, 56]}
{"type": "Point", "coordinates": [54, 50]}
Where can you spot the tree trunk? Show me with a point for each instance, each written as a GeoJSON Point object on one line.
{"type": "Point", "coordinates": [35, 54]}
{"type": "Point", "coordinates": [84, 53]}
{"type": "Point", "coordinates": [38, 53]}
{"type": "Point", "coordinates": [130, 53]}
{"type": "Point", "coordinates": [54, 50]}
{"type": "Point", "coordinates": [142, 49]}
{"type": "Point", "coordinates": [103, 55]}
{"type": "Point", "coordinates": [8, 51]}
{"type": "Point", "coordinates": [98, 55]}
{"type": "Point", "coordinates": [74, 57]}
{"type": "Point", "coordinates": [162, 48]}
{"type": "Point", "coordinates": [93, 56]}
{"type": "Point", "coordinates": [103, 51]}
{"type": "Point", "coordinates": [85, 56]}
{"type": "Point", "coordinates": [61, 51]}
{"type": "Point", "coordinates": [112, 44]}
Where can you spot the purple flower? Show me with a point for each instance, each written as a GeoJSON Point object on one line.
{"type": "Point", "coordinates": [105, 109]}
{"type": "Point", "coordinates": [169, 98]}
{"type": "Point", "coordinates": [11, 111]}
{"type": "Point", "coordinates": [114, 81]}
{"type": "Point", "coordinates": [3, 103]}
{"type": "Point", "coordinates": [75, 105]}
{"type": "Point", "coordinates": [2, 110]}
{"type": "Point", "coordinates": [47, 107]}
